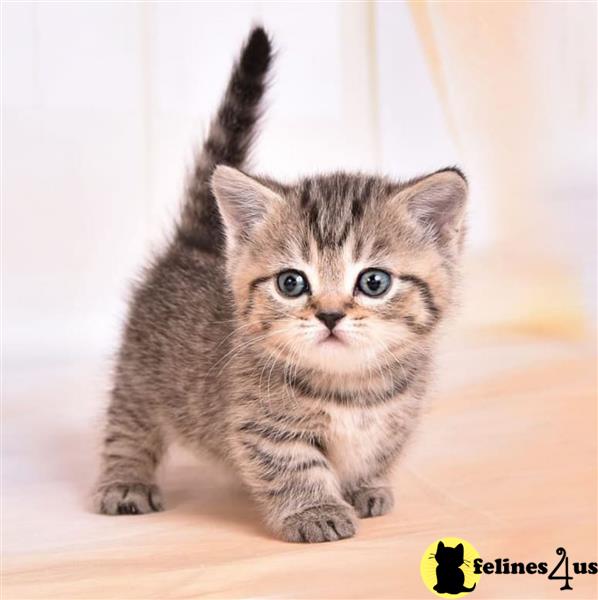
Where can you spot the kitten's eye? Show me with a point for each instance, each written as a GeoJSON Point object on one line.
{"type": "Point", "coordinates": [373, 282]}
{"type": "Point", "coordinates": [292, 283]}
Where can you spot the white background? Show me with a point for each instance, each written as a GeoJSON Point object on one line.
{"type": "Point", "coordinates": [104, 103]}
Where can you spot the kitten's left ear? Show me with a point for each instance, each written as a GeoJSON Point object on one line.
{"type": "Point", "coordinates": [437, 202]}
{"type": "Point", "coordinates": [242, 200]}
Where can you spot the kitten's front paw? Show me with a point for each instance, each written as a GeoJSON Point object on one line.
{"type": "Point", "coordinates": [128, 499]}
{"type": "Point", "coordinates": [325, 523]}
{"type": "Point", "coordinates": [372, 502]}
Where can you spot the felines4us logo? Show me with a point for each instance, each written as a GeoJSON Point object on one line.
{"type": "Point", "coordinates": [452, 567]}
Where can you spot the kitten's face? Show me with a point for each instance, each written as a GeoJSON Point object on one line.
{"type": "Point", "coordinates": [335, 274]}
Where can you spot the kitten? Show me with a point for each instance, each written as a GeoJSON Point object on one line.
{"type": "Point", "coordinates": [287, 329]}
{"type": "Point", "coordinates": [450, 578]}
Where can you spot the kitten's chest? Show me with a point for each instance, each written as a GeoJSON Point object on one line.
{"type": "Point", "coordinates": [357, 437]}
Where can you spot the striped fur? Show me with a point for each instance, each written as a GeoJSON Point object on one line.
{"type": "Point", "coordinates": [228, 143]}
{"type": "Point", "coordinates": [215, 356]}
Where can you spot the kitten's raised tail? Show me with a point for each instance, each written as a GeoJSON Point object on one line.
{"type": "Point", "coordinates": [228, 142]}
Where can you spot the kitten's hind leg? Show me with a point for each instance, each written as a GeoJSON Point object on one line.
{"type": "Point", "coordinates": [132, 450]}
{"type": "Point", "coordinates": [371, 499]}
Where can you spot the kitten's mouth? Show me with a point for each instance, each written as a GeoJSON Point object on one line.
{"type": "Point", "coordinates": [332, 339]}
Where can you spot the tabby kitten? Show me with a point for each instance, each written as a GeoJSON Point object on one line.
{"type": "Point", "coordinates": [287, 329]}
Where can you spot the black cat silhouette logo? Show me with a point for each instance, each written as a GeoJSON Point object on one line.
{"type": "Point", "coordinates": [447, 567]}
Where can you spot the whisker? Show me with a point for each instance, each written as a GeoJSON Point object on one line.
{"type": "Point", "coordinates": [237, 349]}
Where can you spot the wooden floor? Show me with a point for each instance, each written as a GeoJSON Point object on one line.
{"type": "Point", "coordinates": [505, 458]}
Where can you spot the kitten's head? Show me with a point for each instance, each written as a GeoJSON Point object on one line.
{"type": "Point", "coordinates": [448, 556]}
{"type": "Point", "coordinates": [341, 272]}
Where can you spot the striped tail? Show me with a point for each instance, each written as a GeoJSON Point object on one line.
{"type": "Point", "coordinates": [229, 139]}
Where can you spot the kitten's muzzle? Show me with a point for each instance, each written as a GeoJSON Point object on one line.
{"type": "Point", "coordinates": [330, 319]}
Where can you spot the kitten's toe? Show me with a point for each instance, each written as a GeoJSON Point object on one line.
{"type": "Point", "coordinates": [325, 523]}
{"type": "Point", "coordinates": [372, 502]}
{"type": "Point", "coordinates": [128, 499]}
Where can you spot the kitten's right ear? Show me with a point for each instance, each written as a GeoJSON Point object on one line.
{"type": "Point", "coordinates": [437, 202]}
{"type": "Point", "coordinates": [440, 546]}
{"type": "Point", "coordinates": [243, 201]}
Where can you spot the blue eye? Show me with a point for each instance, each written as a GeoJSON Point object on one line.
{"type": "Point", "coordinates": [373, 282]}
{"type": "Point", "coordinates": [292, 283]}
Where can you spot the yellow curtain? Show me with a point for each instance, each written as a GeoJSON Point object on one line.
{"type": "Point", "coordinates": [502, 70]}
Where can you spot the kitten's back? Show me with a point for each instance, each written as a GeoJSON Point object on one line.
{"type": "Point", "coordinates": [181, 314]}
